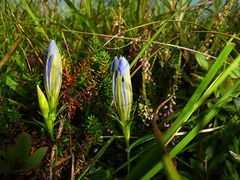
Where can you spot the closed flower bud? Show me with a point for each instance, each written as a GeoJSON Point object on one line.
{"type": "Point", "coordinates": [43, 103]}
{"type": "Point", "coordinates": [122, 87]}
{"type": "Point", "coordinates": [52, 74]}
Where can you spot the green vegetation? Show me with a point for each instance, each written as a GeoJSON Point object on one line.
{"type": "Point", "coordinates": [184, 67]}
{"type": "Point", "coordinates": [18, 159]}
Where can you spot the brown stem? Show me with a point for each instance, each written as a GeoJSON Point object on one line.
{"type": "Point", "coordinates": [53, 164]}
{"type": "Point", "coordinates": [11, 51]}
{"type": "Point", "coordinates": [155, 128]}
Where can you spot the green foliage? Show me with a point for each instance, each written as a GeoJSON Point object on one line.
{"type": "Point", "coordinates": [9, 114]}
{"type": "Point", "coordinates": [196, 100]}
{"type": "Point", "coordinates": [94, 128]}
{"type": "Point", "coordinates": [99, 173]}
{"type": "Point", "coordinates": [202, 61]}
{"type": "Point", "coordinates": [17, 158]}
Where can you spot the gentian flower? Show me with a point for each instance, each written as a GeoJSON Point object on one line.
{"type": "Point", "coordinates": [52, 83]}
{"type": "Point", "coordinates": [52, 74]}
{"type": "Point", "coordinates": [123, 97]}
{"type": "Point", "coordinates": [122, 88]}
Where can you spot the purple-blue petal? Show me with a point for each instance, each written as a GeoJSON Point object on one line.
{"type": "Point", "coordinates": [51, 45]}
{"type": "Point", "coordinates": [124, 93]}
{"type": "Point", "coordinates": [114, 63]}
{"type": "Point", "coordinates": [45, 55]}
{"type": "Point", "coordinates": [48, 71]}
{"type": "Point", "coordinates": [52, 48]}
{"type": "Point", "coordinates": [114, 86]}
{"type": "Point", "coordinates": [123, 66]}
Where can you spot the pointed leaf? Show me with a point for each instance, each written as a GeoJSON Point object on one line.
{"type": "Point", "coordinates": [34, 160]}
{"type": "Point", "coordinates": [202, 61]}
{"type": "Point", "coordinates": [43, 103]}
{"type": "Point", "coordinates": [15, 86]}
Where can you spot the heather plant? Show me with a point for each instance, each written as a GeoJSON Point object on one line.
{"type": "Point", "coordinates": [173, 88]}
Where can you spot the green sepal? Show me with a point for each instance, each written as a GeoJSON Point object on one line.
{"type": "Point", "coordinates": [50, 123]}
{"type": "Point", "coordinates": [120, 99]}
{"type": "Point", "coordinates": [43, 103]}
{"type": "Point", "coordinates": [126, 128]}
{"type": "Point", "coordinates": [129, 95]}
{"type": "Point", "coordinates": [124, 110]}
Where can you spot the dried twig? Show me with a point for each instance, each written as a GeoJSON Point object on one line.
{"type": "Point", "coordinates": [53, 164]}
{"type": "Point", "coordinates": [156, 130]}
{"type": "Point", "coordinates": [11, 51]}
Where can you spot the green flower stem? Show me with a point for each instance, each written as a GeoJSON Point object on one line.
{"type": "Point", "coordinates": [51, 134]}
{"type": "Point", "coordinates": [128, 155]}
{"type": "Point", "coordinates": [126, 132]}
{"type": "Point", "coordinates": [49, 123]}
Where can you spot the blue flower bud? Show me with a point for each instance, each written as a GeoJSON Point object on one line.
{"type": "Point", "coordinates": [122, 87]}
{"type": "Point", "coordinates": [52, 74]}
